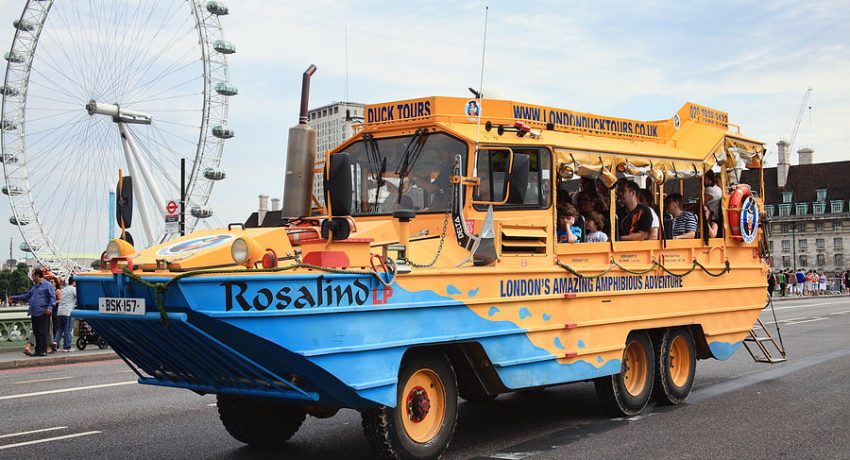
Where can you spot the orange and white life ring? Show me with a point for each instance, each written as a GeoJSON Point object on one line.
{"type": "Point", "coordinates": [743, 213]}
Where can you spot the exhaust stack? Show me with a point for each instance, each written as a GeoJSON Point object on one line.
{"type": "Point", "coordinates": [300, 157]}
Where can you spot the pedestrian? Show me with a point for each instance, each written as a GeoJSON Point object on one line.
{"type": "Point", "coordinates": [847, 280]}
{"type": "Point", "coordinates": [771, 284]}
{"type": "Point", "coordinates": [792, 283]}
{"type": "Point", "coordinates": [68, 303]}
{"type": "Point", "coordinates": [801, 282]}
{"type": "Point", "coordinates": [41, 298]}
{"type": "Point", "coordinates": [783, 282]}
{"type": "Point", "coordinates": [54, 317]}
{"type": "Point", "coordinates": [822, 283]}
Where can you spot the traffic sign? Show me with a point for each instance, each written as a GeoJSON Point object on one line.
{"type": "Point", "coordinates": [171, 207]}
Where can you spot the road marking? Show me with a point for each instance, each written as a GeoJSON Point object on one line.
{"type": "Point", "coordinates": [57, 438]}
{"type": "Point", "coordinates": [65, 390]}
{"type": "Point", "coordinates": [43, 380]}
{"type": "Point", "coordinates": [514, 455]}
{"type": "Point", "coordinates": [805, 321]}
{"type": "Point", "coordinates": [212, 405]}
{"type": "Point", "coordinates": [24, 433]}
{"type": "Point", "coordinates": [840, 312]}
{"type": "Point", "coordinates": [805, 306]}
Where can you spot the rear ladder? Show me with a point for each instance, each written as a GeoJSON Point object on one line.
{"type": "Point", "coordinates": [762, 345]}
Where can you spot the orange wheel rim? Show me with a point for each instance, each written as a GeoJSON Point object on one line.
{"type": "Point", "coordinates": [635, 367]}
{"type": "Point", "coordinates": [680, 361]}
{"type": "Point", "coordinates": [423, 405]}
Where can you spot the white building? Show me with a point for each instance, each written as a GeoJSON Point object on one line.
{"type": "Point", "coordinates": [333, 124]}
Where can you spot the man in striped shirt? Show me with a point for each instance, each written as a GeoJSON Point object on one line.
{"type": "Point", "coordinates": [684, 222]}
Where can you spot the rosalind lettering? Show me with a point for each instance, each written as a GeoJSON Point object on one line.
{"type": "Point", "coordinates": [322, 293]}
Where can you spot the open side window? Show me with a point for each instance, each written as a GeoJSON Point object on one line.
{"type": "Point", "coordinates": [517, 178]}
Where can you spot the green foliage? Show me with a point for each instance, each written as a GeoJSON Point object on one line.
{"type": "Point", "coordinates": [15, 282]}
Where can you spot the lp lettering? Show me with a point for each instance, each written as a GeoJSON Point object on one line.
{"type": "Point", "coordinates": [384, 296]}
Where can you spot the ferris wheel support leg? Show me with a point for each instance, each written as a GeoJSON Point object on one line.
{"type": "Point", "coordinates": [150, 183]}
{"type": "Point", "coordinates": [138, 191]}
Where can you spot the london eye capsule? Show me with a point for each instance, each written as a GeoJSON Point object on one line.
{"type": "Point", "coordinates": [14, 190]}
{"type": "Point", "coordinates": [201, 212]}
{"type": "Point", "coordinates": [24, 25]}
{"type": "Point", "coordinates": [27, 248]}
{"type": "Point", "coordinates": [9, 125]}
{"type": "Point", "coordinates": [226, 89]}
{"type": "Point", "coordinates": [224, 47]}
{"type": "Point", "coordinates": [9, 91]}
{"type": "Point", "coordinates": [217, 8]}
{"type": "Point", "coordinates": [214, 173]}
{"type": "Point", "coordinates": [22, 221]}
{"type": "Point", "coordinates": [8, 158]}
{"type": "Point", "coordinates": [222, 132]}
{"type": "Point", "coordinates": [14, 57]}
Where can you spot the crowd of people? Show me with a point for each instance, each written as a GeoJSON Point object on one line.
{"type": "Point", "coordinates": [584, 215]}
{"type": "Point", "coordinates": [51, 300]}
{"type": "Point", "coordinates": [801, 283]}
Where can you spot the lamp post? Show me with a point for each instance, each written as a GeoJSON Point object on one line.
{"type": "Point", "coordinates": [794, 246]}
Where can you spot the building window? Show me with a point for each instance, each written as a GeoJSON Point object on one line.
{"type": "Point", "coordinates": [837, 206]}
{"type": "Point", "coordinates": [784, 210]}
{"type": "Point", "coordinates": [821, 260]}
{"type": "Point", "coordinates": [802, 209]}
{"type": "Point", "coordinates": [786, 245]}
{"type": "Point", "coordinates": [770, 245]}
{"type": "Point", "coordinates": [820, 244]}
{"type": "Point", "coordinates": [819, 208]}
{"type": "Point", "coordinates": [787, 196]}
{"type": "Point", "coordinates": [786, 228]}
{"type": "Point", "coordinates": [804, 261]}
{"type": "Point", "coordinates": [803, 245]}
{"type": "Point", "coordinates": [821, 194]}
{"type": "Point", "coordinates": [818, 226]}
{"type": "Point", "coordinates": [836, 226]}
{"type": "Point", "coordinates": [839, 261]}
{"type": "Point", "coordinates": [838, 244]}
{"type": "Point", "coordinates": [786, 261]}
{"type": "Point", "coordinates": [770, 210]}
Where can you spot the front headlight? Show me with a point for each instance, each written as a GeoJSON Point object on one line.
{"type": "Point", "coordinates": [240, 250]}
{"type": "Point", "coordinates": [118, 248]}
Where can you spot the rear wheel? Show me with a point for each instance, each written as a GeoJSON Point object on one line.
{"type": "Point", "coordinates": [675, 366]}
{"type": "Point", "coordinates": [81, 343]}
{"type": "Point", "coordinates": [628, 392]}
{"type": "Point", "coordinates": [421, 425]}
{"type": "Point", "coordinates": [259, 422]}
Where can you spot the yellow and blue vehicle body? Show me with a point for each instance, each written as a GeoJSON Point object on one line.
{"type": "Point", "coordinates": [319, 331]}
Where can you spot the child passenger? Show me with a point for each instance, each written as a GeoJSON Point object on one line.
{"type": "Point", "coordinates": [567, 231]}
{"type": "Point", "coordinates": [595, 222]}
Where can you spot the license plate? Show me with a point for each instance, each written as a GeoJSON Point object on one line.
{"type": "Point", "coordinates": [121, 306]}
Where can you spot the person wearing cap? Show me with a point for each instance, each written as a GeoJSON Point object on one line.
{"type": "Point", "coordinates": [67, 303]}
{"type": "Point", "coordinates": [41, 298]}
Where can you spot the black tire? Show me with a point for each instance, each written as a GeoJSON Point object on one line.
{"type": "Point", "coordinates": [613, 391]}
{"type": "Point", "coordinates": [101, 343]}
{"type": "Point", "coordinates": [81, 343]}
{"type": "Point", "coordinates": [259, 422]}
{"type": "Point", "coordinates": [674, 380]}
{"type": "Point", "coordinates": [384, 427]}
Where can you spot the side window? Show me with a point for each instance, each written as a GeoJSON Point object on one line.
{"type": "Point", "coordinates": [493, 172]}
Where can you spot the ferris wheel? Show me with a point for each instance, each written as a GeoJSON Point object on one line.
{"type": "Point", "coordinates": [94, 87]}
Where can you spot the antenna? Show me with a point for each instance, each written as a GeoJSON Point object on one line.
{"type": "Point", "coordinates": [480, 93]}
{"type": "Point", "coordinates": [345, 103]}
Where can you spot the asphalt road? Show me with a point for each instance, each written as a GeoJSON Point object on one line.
{"type": "Point", "coordinates": [739, 409]}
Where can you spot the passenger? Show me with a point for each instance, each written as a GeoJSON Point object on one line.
{"type": "Point", "coordinates": [713, 194]}
{"type": "Point", "coordinates": [567, 231]}
{"type": "Point", "coordinates": [636, 219]}
{"type": "Point", "coordinates": [648, 200]}
{"type": "Point", "coordinates": [684, 222]}
{"type": "Point", "coordinates": [709, 222]}
{"type": "Point", "coordinates": [594, 223]}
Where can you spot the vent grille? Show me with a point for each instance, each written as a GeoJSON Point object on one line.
{"type": "Point", "coordinates": [524, 240]}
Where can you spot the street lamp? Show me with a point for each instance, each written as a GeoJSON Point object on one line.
{"type": "Point", "coordinates": [794, 246]}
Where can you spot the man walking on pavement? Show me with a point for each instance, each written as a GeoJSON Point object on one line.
{"type": "Point", "coordinates": [41, 298]}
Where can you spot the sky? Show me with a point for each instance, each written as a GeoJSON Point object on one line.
{"type": "Point", "coordinates": [640, 60]}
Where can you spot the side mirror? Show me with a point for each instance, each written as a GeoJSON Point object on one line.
{"type": "Point", "coordinates": [338, 184]}
{"type": "Point", "coordinates": [124, 202]}
{"type": "Point", "coordinates": [519, 178]}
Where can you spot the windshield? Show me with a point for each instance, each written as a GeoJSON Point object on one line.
{"type": "Point", "coordinates": [418, 165]}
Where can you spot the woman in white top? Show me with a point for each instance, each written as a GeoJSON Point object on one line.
{"type": "Point", "coordinates": [647, 200]}
{"type": "Point", "coordinates": [66, 305]}
{"type": "Point", "coordinates": [712, 192]}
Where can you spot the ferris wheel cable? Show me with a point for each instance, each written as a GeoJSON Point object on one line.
{"type": "Point", "coordinates": [54, 115]}
{"type": "Point", "coordinates": [156, 79]}
{"type": "Point", "coordinates": [50, 132]}
{"type": "Point", "coordinates": [169, 98]}
{"type": "Point", "coordinates": [167, 173]}
{"type": "Point", "coordinates": [170, 43]}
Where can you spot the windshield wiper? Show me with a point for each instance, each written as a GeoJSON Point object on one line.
{"type": "Point", "coordinates": [409, 157]}
{"type": "Point", "coordinates": [377, 166]}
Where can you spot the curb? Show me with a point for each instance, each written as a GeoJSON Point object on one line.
{"type": "Point", "coordinates": [57, 360]}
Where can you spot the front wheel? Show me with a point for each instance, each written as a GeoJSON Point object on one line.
{"type": "Point", "coordinates": [259, 422]}
{"type": "Point", "coordinates": [81, 343]}
{"type": "Point", "coordinates": [421, 425]}
{"type": "Point", "coordinates": [628, 392]}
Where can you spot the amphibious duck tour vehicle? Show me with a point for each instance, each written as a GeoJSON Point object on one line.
{"type": "Point", "coordinates": [432, 270]}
